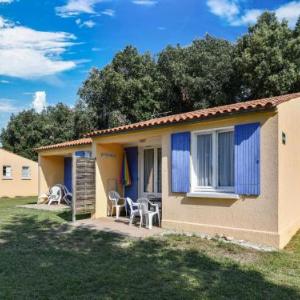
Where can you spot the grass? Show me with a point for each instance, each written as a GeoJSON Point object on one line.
{"type": "Point", "coordinates": [42, 257]}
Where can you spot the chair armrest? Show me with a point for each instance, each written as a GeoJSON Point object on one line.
{"type": "Point", "coordinates": [154, 205]}
{"type": "Point", "coordinates": [123, 199]}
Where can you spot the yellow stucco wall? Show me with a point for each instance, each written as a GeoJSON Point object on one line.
{"type": "Point", "coordinates": [18, 186]}
{"type": "Point", "coordinates": [289, 170]}
{"type": "Point", "coordinates": [51, 172]}
{"type": "Point", "coordinates": [51, 166]}
{"type": "Point", "coordinates": [250, 218]}
{"type": "Point", "coordinates": [108, 168]}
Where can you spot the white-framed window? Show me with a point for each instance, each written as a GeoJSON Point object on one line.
{"type": "Point", "coordinates": [151, 170]}
{"type": "Point", "coordinates": [212, 156]}
{"type": "Point", "coordinates": [7, 172]}
{"type": "Point", "coordinates": [25, 172]}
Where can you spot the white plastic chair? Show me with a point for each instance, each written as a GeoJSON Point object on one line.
{"type": "Point", "coordinates": [55, 195]}
{"type": "Point", "coordinates": [149, 214]}
{"type": "Point", "coordinates": [114, 198]}
{"type": "Point", "coordinates": [134, 211]}
{"type": "Point", "coordinates": [67, 196]}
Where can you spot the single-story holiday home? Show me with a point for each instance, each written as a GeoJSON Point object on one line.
{"type": "Point", "coordinates": [19, 175]}
{"type": "Point", "coordinates": [231, 170]}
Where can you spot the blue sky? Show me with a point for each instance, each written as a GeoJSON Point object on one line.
{"type": "Point", "coordinates": [47, 47]}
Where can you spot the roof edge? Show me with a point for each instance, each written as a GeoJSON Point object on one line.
{"type": "Point", "coordinates": [269, 109]}
{"type": "Point", "coordinates": [67, 144]}
{"type": "Point", "coordinates": [247, 106]}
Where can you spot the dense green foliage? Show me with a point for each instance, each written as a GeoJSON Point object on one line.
{"type": "Point", "coordinates": [264, 62]}
{"type": "Point", "coordinates": [267, 58]}
{"type": "Point", "coordinates": [127, 90]}
{"type": "Point", "coordinates": [28, 129]}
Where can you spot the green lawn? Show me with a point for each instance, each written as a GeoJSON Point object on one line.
{"type": "Point", "coordinates": [41, 258]}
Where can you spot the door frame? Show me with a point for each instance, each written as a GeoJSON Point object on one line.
{"type": "Point", "coordinates": [141, 170]}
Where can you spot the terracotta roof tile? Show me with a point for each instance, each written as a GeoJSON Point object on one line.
{"type": "Point", "coordinates": [84, 141]}
{"type": "Point", "coordinates": [260, 104]}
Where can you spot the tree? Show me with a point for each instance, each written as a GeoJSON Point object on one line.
{"type": "Point", "coordinates": [125, 91]}
{"type": "Point", "coordinates": [263, 59]}
{"type": "Point", "coordinates": [29, 129]}
{"type": "Point", "coordinates": [199, 75]}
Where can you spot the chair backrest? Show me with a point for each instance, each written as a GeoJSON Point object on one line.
{"type": "Point", "coordinates": [143, 205]}
{"type": "Point", "coordinates": [64, 189]}
{"type": "Point", "coordinates": [113, 196]}
{"type": "Point", "coordinates": [56, 191]}
{"type": "Point", "coordinates": [129, 201]}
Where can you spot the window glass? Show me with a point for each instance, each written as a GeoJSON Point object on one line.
{"type": "Point", "coordinates": [25, 172]}
{"type": "Point", "coordinates": [6, 171]}
{"type": "Point", "coordinates": [225, 159]}
{"type": "Point", "coordinates": [204, 159]}
{"type": "Point", "coordinates": [149, 170]}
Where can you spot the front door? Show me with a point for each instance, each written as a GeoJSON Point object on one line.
{"type": "Point", "coordinates": [132, 159]}
{"type": "Point", "coordinates": [68, 173]}
{"type": "Point", "coordinates": [151, 171]}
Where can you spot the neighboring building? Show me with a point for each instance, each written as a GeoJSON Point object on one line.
{"type": "Point", "coordinates": [232, 170]}
{"type": "Point", "coordinates": [19, 175]}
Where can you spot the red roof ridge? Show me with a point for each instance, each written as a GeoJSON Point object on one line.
{"type": "Point", "coordinates": [83, 141]}
{"type": "Point", "coordinates": [258, 104]}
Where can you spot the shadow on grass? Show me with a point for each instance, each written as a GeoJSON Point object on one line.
{"type": "Point", "coordinates": [67, 216]}
{"type": "Point", "coordinates": [45, 260]}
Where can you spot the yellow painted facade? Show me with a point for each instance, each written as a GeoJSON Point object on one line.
{"type": "Point", "coordinates": [16, 184]}
{"type": "Point", "coordinates": [249, 218]}
{"type": "Point", "coordinates": [289, 170]}
{"type": "Point", "coordinates": [270, 218]}
{"type": "Point", "coordinates": [51, 166]}
{"type": "Point", "coordinates": [108, 168]}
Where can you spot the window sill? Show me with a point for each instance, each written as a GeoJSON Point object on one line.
{"type": "Point", "coordinates": [26, 178]}
{"type": "Point", "coordinates": [218, 195]}
{"type": "Point", "coordinates": [7, 178]}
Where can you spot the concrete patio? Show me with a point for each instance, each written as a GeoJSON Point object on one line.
{"type": "Point", "coordinates": [120, 226]}
{"type": "Point", "coordinates": [54, 208]}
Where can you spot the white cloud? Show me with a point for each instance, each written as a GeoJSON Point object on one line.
{"type": "Point", "coordinates": [108, 12]}
{"type": "Point", "coordinates": [5, 23]}
{"type": "Point", "coordinates": [96, 49]}
{"type": "Point", "coordinates": [6, 1]}
{"type": "Point", "coordinates": [6, 106]}
{"type": "Point", "coordinates": [144, 2]}
{"type": "Point", "coordinates": [232, 12]}
{"type": "Point", "coordinates": [87, 24]}
{"type": "Point", "coordinates": [250, 17]}
{"type": "Point", "coordinates": [227, 9]}
{"type": "Point", "coordinates": [28, 53]}
{"type": "Point", "coordinates": [4, 81]}
{"type": "Point", "coordinates": [289, 11]}
{"type": "Point", "coordinates": [39, 101]}
{"type": "Point", "coordinates": [77, 7]}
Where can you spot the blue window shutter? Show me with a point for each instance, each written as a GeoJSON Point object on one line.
{"type": "Point", "coordinates": [247, 159]}
{"type": "Point", "coordinates": [181, 148]}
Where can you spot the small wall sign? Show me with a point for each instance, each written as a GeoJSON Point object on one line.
{"type": "Point", "coordinates": [108, 155]}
